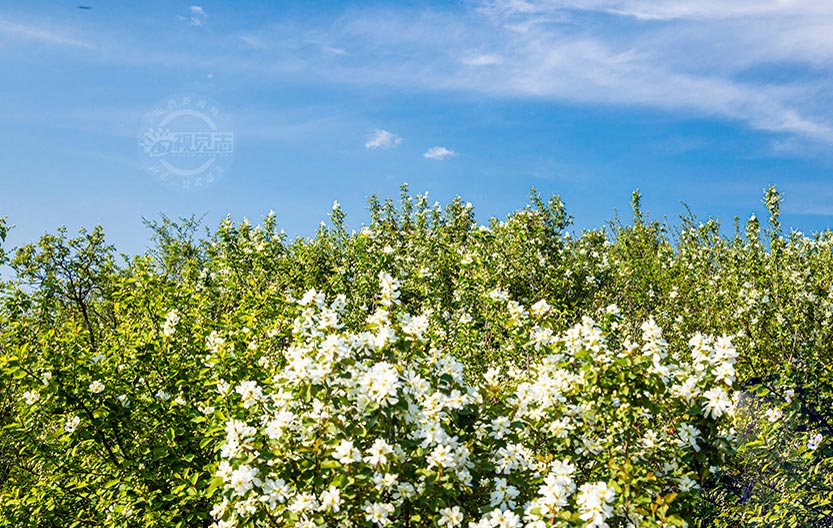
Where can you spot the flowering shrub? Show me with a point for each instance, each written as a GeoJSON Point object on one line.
{"type": "Point", "coordinates": [150, 390]}
{"type": "Point", "coordinates": [380, 426]}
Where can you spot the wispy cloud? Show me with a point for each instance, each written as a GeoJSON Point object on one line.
{"type": "Point", "coordinates": [665, 9]}
{"type": "Point", "coordinates": [486, 59]}
{"type": "Point", "coordinates": [382, 139]}
{"type": "Point", "coordinates": [43, 35]}
{"type": "Point", "coordinates": [668, 55]}
{"type": "Point", "coordinates": [252, 42]}
{"type": "Point", "coordinates": [563, 51]}
{"type": "Point", "coordinates": [439, 153]}
{"type": "Point", "coordinates": [198, 16]}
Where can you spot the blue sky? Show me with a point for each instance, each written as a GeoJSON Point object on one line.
{"type": "Point", "coordinates": [701, 101]}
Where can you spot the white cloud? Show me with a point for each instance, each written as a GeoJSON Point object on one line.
{"type": "Point", "coordinates": [43, 35]}
{"type": "Point", "coordinates": [254, 42]}
{"type": "Point", "coordinates": [198, 16]}
{"type": "Point", "coordinates": [382, 139]}
{"type": "Point", "coordinates": [762, 64]}
{"type": "Point", "coordinates": [439, 153]}
{"type": "Point", "coordinates": [553, 49]}
{"type": "Point", "coordinates": [488, 59]}
{"type": "Point", "coordinates": [666, 9]}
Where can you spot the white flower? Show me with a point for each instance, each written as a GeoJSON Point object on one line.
{"type": "Point", "coordinates": [378, 453]}
{"type": "Point", "coordinates": [504, 519]}
{"type": "Point", "coordinates": [442, 456]}
{"type": "Point", "coordinates": [275, 492]}
{"type": "Point", "coordinates": [331, 499]}
{"type": "Point", "coordinates": [276, 426]}
{"type": "Point", "coordinates": [499, 295]}
{"type": "Point", "coordinates": [450, 517]}
{"type": "Point", "coordinates": [243, 479]}
{"type": "Point", "coordinates": [311, 297]}
{"type": "Point", "coordinates": [389, 286]}
{"type": "Point", "coordinates": [504, 494]}
{"type": "Point", "coordinates": [594, 500]}
{"type": "Point", "coordinates": [346, 453]}
{"type": "Point", "coordinates": [540, 308]}
{"type": "Point", "coordinates": [717, 403]}
{"type": "Point", "coordinates": [214, 342]}
{"type": "Point", "coordinates": [72, 424]}
{"type": "Point", "coordinates": [774, 414]}
{"type": "Point", "coordinates": [688, 435]}
{"type": "Point", "coordinates": [171, 321]}
{"type": "Point", "coordinates": [814, 442]}
{"type": "Point", "coordinates": [31, 397]}
{"type": "Point", "coordinates": [381, 383]}
{"type": "Point", "coordinates": [378, 513]}
{"type": "Point", "coordinates": [384, 482]}
{"type": "Point", "coordinates": [500, 427]}
{"type": "Point", "coordinates": [303, 502]}
{"type": "Point", "coordinates": [96, 387]}
{"type": "Point", "coordinates": [162, 395]}
{"type": "Point", "coordinates": [250, 393]}
{"type": "Point", "coordinates": [492, 377]}
{"type": "Point", "coordinates": [687, 484]}
{"type": "Point", "coordinates": [725, 372]}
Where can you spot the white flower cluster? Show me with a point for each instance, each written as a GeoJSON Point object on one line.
{"type": "Point", "coordinates": [171, 320]}
{"type": "Point", "coordinates": [367, 425]}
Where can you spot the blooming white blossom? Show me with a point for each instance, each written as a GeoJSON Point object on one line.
{"type": "Point", "coordinates": [504, 494]}
{"type": "Point", "coordinates": [442, 456]}
{"type": "Point", "coordinates": [378, 513]}
{"type": "Point", "coordinates": [331, 499]}
{"type": "Point", "coordinates": [391, 416]}
{"type": "Point", "coordinates": [243, 479]}
{"type": "Point", "coordinates": [378, 453]}
{"type": "Point", "coordinates": [595, 502]}
{"type": "Point", "coordinates": [31, 397]}
{"type": "Point", "coordinates": [390, 289]}
{"type": "Point", "coordinates": [346, 453]}
{"type": "Point", "coordinates": [380, 384]}
{"type": "Point", "coordinates": [303, 502]}
{"type": "Point", "coordinates": [279, 423]}
{"type": "Point", "coordinates": [96, 387]}
{"type": "Point", "coordinates": [250, 393]}
{"type": "Point", "coordinates": [539, 308]}
{"type": "Point", "coordinates": [72, 424]}
{"type": "Point", "coordinates": [450, 517]}
{"type": "Point", "coordinates": [171, 320]}
{"type": "Point", "coordinates": [504, 519]}
{"type": "Point", "coordinates": [814, 442]}
{"type": "Point", "coordinates": [717, 403]}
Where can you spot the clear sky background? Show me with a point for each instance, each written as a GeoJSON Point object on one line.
{"type": "Point", "coordinates": [701, 101]}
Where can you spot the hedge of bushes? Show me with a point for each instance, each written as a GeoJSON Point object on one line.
{"type": "Point", "coordinates": [422, 371]}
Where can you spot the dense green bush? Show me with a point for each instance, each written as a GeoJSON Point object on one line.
{"type": "Point", "coordinates": [111, 365]}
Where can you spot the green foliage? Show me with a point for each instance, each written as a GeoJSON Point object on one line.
{"type": "Point", "coordinates": [134, 347]}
